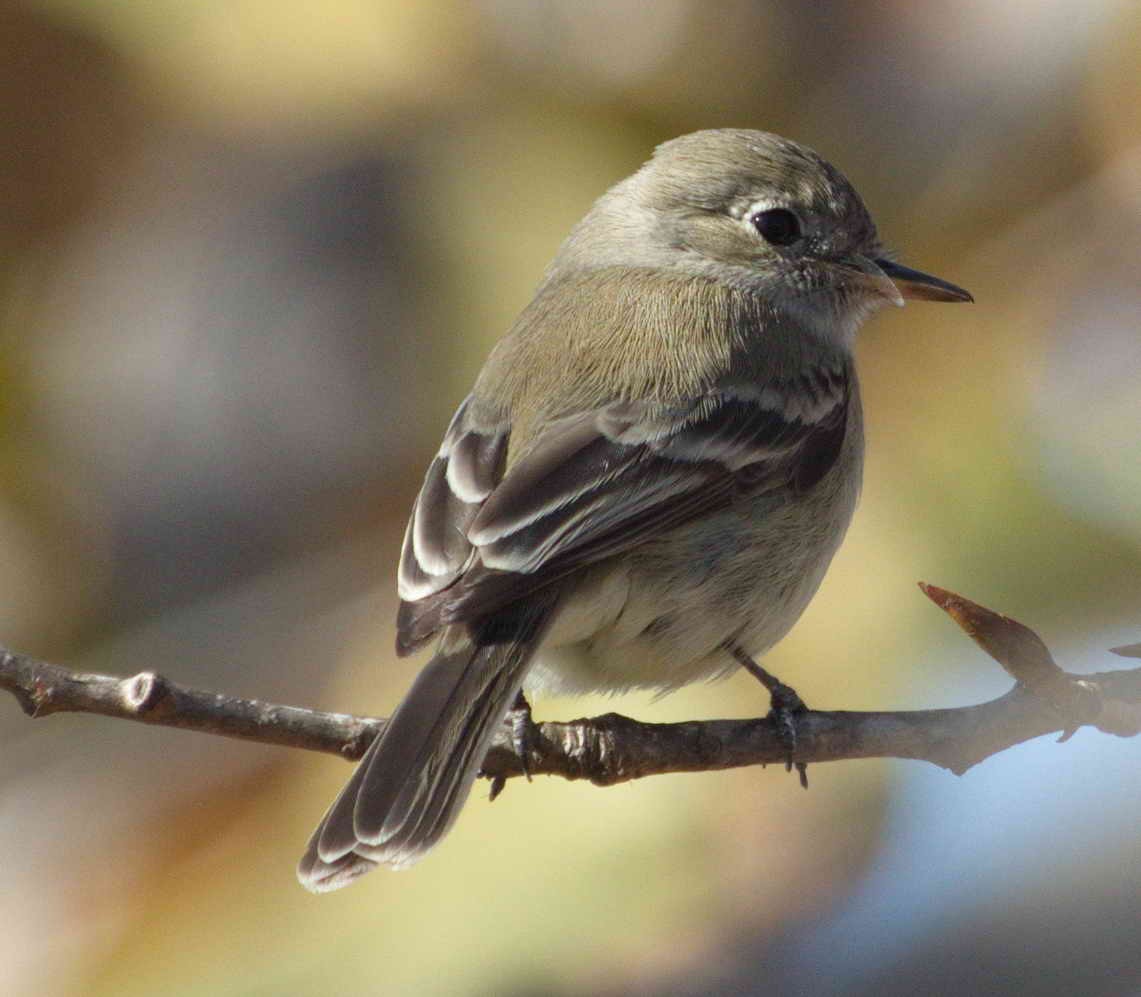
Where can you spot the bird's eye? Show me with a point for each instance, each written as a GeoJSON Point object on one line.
{"type": "Point", "coordinates": [777, 225]}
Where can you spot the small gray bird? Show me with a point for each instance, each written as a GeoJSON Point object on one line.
{"type": "Point", "coordinates": [650, 477]}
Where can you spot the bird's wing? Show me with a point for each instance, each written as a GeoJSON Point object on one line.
{"type": "Point", "coordinates": [598, 483]}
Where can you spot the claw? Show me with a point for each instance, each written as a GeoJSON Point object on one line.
{"type": "Point", "coordinates": [524, 733]}
{"type": "Point", "coordinates": [524, 739]}
{"type": "Point", "coordinates": [784, 705]}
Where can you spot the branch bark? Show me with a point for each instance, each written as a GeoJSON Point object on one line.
{"type": "Point", "coordinates": [610, 749]}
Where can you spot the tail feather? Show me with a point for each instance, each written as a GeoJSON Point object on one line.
{"type": "Point", "coordinates": [461, 748]}
{"type": "Point", "coordinates": [414, 779]}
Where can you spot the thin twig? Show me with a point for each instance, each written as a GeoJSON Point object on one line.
{"type": "Point", "coordinates": [149, 698]}
{"type": "Point", "coordinates": [610, 749]}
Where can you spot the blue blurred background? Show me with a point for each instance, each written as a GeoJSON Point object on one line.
{"type": "Point", "coordinates": [253, 255]}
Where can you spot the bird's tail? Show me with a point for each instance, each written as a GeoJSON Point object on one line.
{"type": "Point", "coordinates": [415, 777]}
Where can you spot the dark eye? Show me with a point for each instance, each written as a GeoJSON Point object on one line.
{"type": "Point", "coordinates": [777, 225]}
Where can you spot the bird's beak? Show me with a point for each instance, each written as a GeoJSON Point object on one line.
{"type": "Point", "coordinates": [917, 285]}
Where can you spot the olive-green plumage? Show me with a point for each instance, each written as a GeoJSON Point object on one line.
{"type": "Point", "coordinates": [651, 474]}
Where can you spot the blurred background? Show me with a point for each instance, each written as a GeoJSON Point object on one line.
{"type": "Point", "coordinates": [253, 254]}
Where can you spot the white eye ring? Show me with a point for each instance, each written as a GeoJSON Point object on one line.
{"type": "Point", "coordinates": [777, 224]}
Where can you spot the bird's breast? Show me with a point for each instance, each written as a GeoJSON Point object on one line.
{"type": "Point", "coordinates": [658, 616]}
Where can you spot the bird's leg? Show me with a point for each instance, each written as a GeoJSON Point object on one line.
{"type": "Point", "coordinates": [524, 738]}
{"type": "Point", "coordinates": [784, 704]}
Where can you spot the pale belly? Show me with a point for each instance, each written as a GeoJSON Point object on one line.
{"type": "Point", "coordinates": [660, 617]}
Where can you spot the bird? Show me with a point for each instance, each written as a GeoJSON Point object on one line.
{"type": "Point", "coordinates": [648, 480]}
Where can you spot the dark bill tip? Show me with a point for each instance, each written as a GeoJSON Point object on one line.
{"type": "Point", "coordinates": [917, 285]}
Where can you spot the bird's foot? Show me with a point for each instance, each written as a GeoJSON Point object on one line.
{"type": "Point", "coordinates": [524, 740]}
{"type": "Point", "coordinates": [524, 732]}
{"type": "Point", "coordinates": [785, 705]}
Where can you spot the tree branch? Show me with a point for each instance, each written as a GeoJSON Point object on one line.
{"type": "Point", "coordinates": [610, 749]}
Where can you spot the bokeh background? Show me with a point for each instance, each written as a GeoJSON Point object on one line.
{"type": "Point", "coordinates": [253, 254]}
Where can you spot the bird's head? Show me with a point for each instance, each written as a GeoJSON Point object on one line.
{"type": "Point", "coordinates": [761, 213]}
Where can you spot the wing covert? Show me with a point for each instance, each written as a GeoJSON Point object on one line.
{"type": "Point", "coordinates": [600, 482]}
